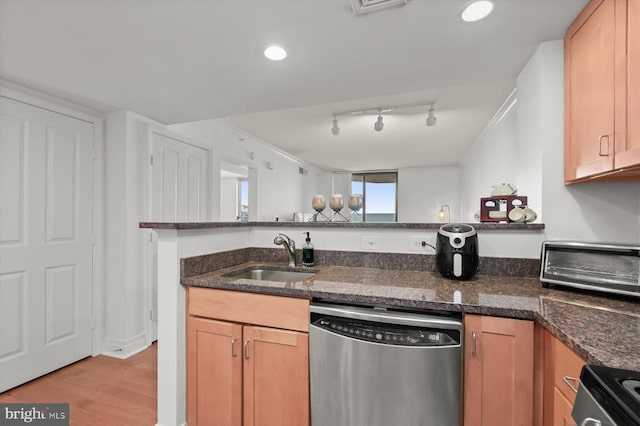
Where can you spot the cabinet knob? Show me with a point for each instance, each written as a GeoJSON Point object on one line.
{"type": "Point", "coordinates": [473, 343]}
{"type": "Point", "coordinates": [606, 153]}
{"type": "Point", "coordinates": [569, 381]}
{"type": "Point", "coordinates": [233, 347]}
{"type": "Point", "coordinates": [246, 349]}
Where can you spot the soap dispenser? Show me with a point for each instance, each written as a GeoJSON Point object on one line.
{"type": "Point", "coordinates": [307, 252]}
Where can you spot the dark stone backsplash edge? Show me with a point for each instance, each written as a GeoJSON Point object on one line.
{"type": "Point", "coordinates": [497, 266]}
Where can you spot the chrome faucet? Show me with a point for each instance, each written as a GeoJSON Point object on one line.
{"type": "Point", "coordinates": [289, 246]}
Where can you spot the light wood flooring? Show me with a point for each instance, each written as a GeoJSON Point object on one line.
{"type": "Point", "coordinates": [101, 391]}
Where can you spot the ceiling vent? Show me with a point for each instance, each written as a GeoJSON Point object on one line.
{"type": "Point", "coordinates": [365, 6]}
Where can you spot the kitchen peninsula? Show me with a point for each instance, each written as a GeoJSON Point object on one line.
{"type": "Point", "coordinates": [210, 252]}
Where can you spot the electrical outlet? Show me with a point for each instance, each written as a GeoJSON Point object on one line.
{"type": "Point", "coordinates": [416, 243]}
{"type": "Point", "coordinates": [370, 242]}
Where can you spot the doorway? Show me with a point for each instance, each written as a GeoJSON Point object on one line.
{"type": "Point", "coordinates": [234, 192]}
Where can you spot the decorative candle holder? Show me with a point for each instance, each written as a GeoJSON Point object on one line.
{"type": "Point", "coordinates": [444, 214]}
{"type": "Point", "coordinates": [319, 204]}
{"type": "Point", "coordinates": [336, 204]}
{"type": "Point", "coordinates": [355, 204]}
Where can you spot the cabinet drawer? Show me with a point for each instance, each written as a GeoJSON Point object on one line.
{"type": "Point", "coordinates": [566, 365]}
{"type": "Point", "coordinates": [250, 308]}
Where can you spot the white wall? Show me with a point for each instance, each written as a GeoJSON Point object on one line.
{"type": "Point", "coordinates": [533, 106]}
{"type": "Point", "coordinates": [606, 212]}
{"type": "Point", "coordinates": [277, 189]}
{"type": "Point", "coordinates": [228, 199]}
{"type": "Point", "coordinates": [422, 191]}
{"type": "Point", "coordinates": [128, 249]}
{"type": "Point", "coordinates": [124, 292]}
{"type": "Point", "coordinates": [490, 161]}
{"type": "Point", "coordinates": [531, 149]}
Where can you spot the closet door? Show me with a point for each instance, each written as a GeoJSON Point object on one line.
{"type": "Point", "coordinates": [180, 173]}
{"type": "Point", "coordinates": [46, 168]}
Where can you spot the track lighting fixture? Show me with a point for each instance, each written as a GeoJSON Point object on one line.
{"type": "Point", "coordinates": [335, 130]}
{"type": "Point", "coordinates": [379, 125]}
{"type": "Point", "coordinates": [431, 117]}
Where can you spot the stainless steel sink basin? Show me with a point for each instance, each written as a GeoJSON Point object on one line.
{"type": "Point", "coordinates": [268, 275]}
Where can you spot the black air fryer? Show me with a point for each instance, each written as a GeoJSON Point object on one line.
{"type": "Point", "coordinates": [457, 251]}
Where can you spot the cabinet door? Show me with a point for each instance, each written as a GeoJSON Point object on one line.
{"type": "Point", "coordinates": [276, 377]}
{"type": "Point", "coordinates": [561, 410]}
{"type": "Point", "coordinates": [561, 372]}
{"type": "Point", "coordinates": [214, 373]}
{"type": "Point", "coordinates": [498, 371]}
{"type": "Point", "coordinates": [590, 91]}
{"type": "Point", "coordinates": [628, 154]}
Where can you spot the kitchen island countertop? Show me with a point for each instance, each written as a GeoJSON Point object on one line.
{"type": "Point", "coordinates": [602, 330]}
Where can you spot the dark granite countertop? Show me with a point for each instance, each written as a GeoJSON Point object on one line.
{"type": "Point", "coordinates": [354, 225]}
{"type": "Point", "coordinates": [600, 329]}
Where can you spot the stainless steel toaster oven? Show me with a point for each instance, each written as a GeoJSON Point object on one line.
{"type": "Point", "coordinates": [610, 268]}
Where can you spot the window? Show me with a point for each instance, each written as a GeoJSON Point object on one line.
{"type": "Point", "coordinates": [379, 191]}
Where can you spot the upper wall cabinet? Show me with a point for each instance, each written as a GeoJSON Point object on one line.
{"type": "Point", "coordinates": [602, 93]}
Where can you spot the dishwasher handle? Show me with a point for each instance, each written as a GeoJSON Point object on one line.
{"type": "Point", "coordinates": [387, 317]}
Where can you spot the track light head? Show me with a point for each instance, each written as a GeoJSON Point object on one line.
{"type": "Point", "coordinates": [335, 130]}
{"type": "Point", "coordinates": [379, 125]}
{"type": "Point", "coordinates": [431, 117]}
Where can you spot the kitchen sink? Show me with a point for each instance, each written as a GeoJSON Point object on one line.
{"type": "Point", "coordinates": [270, 275]}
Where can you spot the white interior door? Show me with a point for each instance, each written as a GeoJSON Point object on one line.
{"type": "Point", "coordinates": [179, 193]}
{"type": "Point", "coordinates": [180, 186]}
{"type": "Point", "coordinates": [45, 241]}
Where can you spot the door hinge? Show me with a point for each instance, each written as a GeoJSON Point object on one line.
{"type": "Point", "coordinates": [94, 154]}
{"type": "Point", "coordinates": [151, 160]}
{"type": "Point", "coordinates": [93, 239]}
{"type": "Point", "coordinates": [93, 323]}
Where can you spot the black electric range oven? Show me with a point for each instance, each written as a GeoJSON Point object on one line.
{"type": "Point", "coordinates": [607, 397]}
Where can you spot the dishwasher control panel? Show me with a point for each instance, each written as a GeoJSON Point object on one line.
{"type": "Point", "coordinates": [388, 334]}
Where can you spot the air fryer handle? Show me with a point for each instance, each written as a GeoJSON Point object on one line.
{"type": "Point", "coordinates": [457, 264]}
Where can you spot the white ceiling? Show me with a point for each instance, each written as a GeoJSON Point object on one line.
{"type": "Point", "coordinates": [177, 61]}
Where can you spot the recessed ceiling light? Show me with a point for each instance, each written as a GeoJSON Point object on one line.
{"type": "Point", "coordinates": [275, 53]}
{"type": "Point", "coordinates": [477, 10]}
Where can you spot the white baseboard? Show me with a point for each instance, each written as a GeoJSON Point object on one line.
{"type": "Point", "coordinates": [123, 349]}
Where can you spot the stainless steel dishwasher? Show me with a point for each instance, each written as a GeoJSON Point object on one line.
{"type": "Point", "coordinates": [380, 367]}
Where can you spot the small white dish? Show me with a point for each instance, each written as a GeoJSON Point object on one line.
{"type": "Point", "coordinates": [529, 215]}
{"type": "Point", "coordinates": [517, 215]}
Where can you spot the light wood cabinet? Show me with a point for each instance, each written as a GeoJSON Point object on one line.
{"type": "Point", "coordinates": [561, 410]}
{"type": "Point", "coordinates": [602, 93]}
{"type": "Point", "coordinates": [561, 379]}
{"type": "Point", "coordinates": [276, 377]}
{"type": "Point", "coordinates": [214, 372]}
{"type": "Point", "coordinates": [498, 371]}
{"type": "Point", "coordinates": [245, 374]}
{"type": "Point", "coordinates": [628, 154]}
